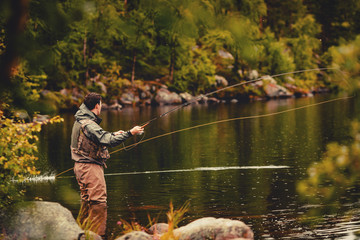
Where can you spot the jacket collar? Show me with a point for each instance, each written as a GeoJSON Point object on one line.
{"type": "Point", "coordinates": [85, 113]}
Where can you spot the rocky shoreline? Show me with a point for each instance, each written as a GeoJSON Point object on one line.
{"type": "Point", "coordinates": [49, 220]}
{"type": "Point", "coordinates": [156, 93]}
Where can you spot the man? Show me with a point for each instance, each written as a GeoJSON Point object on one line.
{"type": "Point", "coordinates": [89, 144]}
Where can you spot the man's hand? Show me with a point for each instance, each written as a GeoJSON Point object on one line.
{"type": "Point", "coordinates": [137, 130]}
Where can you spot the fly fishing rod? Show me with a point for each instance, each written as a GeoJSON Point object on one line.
{"type": "Point", "coordinates": [213, 92]}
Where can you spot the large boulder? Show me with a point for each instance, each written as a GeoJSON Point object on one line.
{"type": "Point", "coordinates": [41, 220]}
{"type": "Point", "coordinates": [214, 228]}
{"type": "Point", "coordinates": [186, 97]}
{"type": "Point", "coordinates": [272, 89]}
{"type": "Point", "coordinates": [165, 97]}
{"type": "Point", "coordinates": [129, 98]}
{"type": "Point", "coordinates": [221, 81]}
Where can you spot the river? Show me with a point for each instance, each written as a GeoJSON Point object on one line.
{"type": "Point", "coordinates": [242, 169]}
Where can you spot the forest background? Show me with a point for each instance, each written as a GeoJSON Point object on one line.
{"type": "Point", "coordinates": [120, 46]}
{"type": "Point", "coordinates": [54, 52]}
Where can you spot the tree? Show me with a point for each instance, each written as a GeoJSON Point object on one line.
{"type": "Point", "coordinates": [138, 36]}
{"type": "Point", "coordinates": [177, 20]}
{"type": "Point", "coordinates": [282, 14]}
{"type": "Point", "coordinates": [338, 19]}
{"type": "Point", "coordinates": [304, 46]}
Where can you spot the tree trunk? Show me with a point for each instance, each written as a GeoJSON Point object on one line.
{"type": "Point", "coordinates": [84, 55]}
{"type": "Point", "coordinates": [9, 60]}
{"type": "Point", "coordinates": [172, 65]}
{"type": "Point", "coordinates": [133, 70]}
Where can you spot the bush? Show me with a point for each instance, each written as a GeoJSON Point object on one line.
{"type": "Point", "coordinates": [345, 58]}
{"type": "Point", "coordinates": [275, 57]}
{"type": "Point", "coordinates": [18, 149]}
{"type": "Point", "coordinates": [196, 74]}
{"type": "Point", "coordinates": [339, 170]}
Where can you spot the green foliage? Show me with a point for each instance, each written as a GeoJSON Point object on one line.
{"type": "Point", "coordinates": [339, 20]}
{"type": "Point", "coordinates": [196, 72]}
{"type": "Point", "coordinates": [68, 42]}
{"type": "Point", "coordinates": [174, 217]}
{"type": "Point", "coordinates": [30, 84]}
{"type": "Point", "coordinates": [304, 46]}
{"type": "Point", "coordinates": [281, 15]}
{"type": "Point", "coordinates": [18, 150]}
{"type": "Point", "coordinates": [275, 57]}
{"type": "Point", "coordinates": [253, 9]}
{"type": "Point", "coordinates": [345, 58]}
{"type": "Point", "coordinates": [337, 171]}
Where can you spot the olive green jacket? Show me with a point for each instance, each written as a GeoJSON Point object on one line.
{"type": "Point", "coordinates": [94, 132]}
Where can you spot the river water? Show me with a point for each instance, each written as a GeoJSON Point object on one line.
{"type": "Point", "coordinates": [245, 169]}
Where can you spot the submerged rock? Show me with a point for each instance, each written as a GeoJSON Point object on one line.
{"type": "Point", "coordinates": [41, 220]}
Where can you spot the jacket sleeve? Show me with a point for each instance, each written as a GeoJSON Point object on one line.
{"type": "Point", "coordinates": [100, 136]}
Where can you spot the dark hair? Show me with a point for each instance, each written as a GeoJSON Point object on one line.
{"type": "Point", "coordinates": [91, 100]}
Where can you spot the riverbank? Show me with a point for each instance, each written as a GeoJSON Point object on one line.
{"type": "Point", "coordinates": [50, 220]}
{"type": "Point", "coordinates": [157, 94]}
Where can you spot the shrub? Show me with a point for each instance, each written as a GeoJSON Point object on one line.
{"type": "Point", "coordinates": [18, 149]}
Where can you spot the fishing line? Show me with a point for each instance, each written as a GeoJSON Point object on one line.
{"type": "Point", "coordinates": [219, 90]}
{"type": "Point", "coordinates": [232, 86]}
{"type": "Point", "coordinates": [225, 120]}
{"type": "Point", "coordinates": [236, 119]}
{"type": "Point", "coordinates": [128, 148]}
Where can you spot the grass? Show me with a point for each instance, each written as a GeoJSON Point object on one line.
{"type": "Point", "coordinates": [174, 217]}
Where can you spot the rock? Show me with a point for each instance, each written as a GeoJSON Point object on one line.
{"type": "Point", "coordinates": [40, 220]}
{"type": "Point", "coordinates": [165, 97]}
{"type": "Point", "coordinates": [225, 54]}
{"type": "Point", "coordinates": [214, 228]}
{"type": "Point", "coordinates": [213, 100]}
{"type": "Point", "coordinates": [129, 98]}
{"type": "Point", "coordinates": [115, 106]}
{"type": "Point", "coordinates": [253, 75]}
{"type": "Point", "coordinates": [268, 79]}
{"type": "Point", "coordinates": [221, 81]}
{"type": "Point", "coordinates": [102, 86]}
{"type": "Point", "coordinates": [290, 79]}
{"type": "Point", "coordinates": [202, 98]}
{"type": "Point", "coordinates": [186, 97]}
{"type": "Point", "coordinates": [298, 92]}
{"type": "Point", "coordinates": [158, 228]}
{"type": "Point", "coordinates": [64, 92]}
{"type": "Point", "coordinates": [135, 235]}
{"type": "Point", "coordinates": [272, 89]}
{"type": "Point", "coordinates": [21, 114]}
{"type": "Point", "coordinates": [40, 118]}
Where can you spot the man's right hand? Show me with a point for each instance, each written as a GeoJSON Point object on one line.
{"type": "Point", "coordinates": [137, 130]}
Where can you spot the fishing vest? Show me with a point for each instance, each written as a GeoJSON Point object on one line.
{"type": "Point", "coordinates": [88, 148]}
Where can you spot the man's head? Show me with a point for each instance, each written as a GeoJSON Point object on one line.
{"type": "Point", "coordinates": [93, 102]}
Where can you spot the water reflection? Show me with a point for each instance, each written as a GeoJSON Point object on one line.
{"type": "Point", "coordinates": [93, 216]}
{"type": "Point", "coordinates": [265, 199]}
